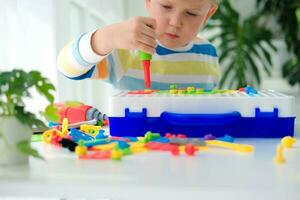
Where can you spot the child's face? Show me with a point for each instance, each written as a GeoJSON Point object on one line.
{"type": "Point", "coordinates": [178, 21]}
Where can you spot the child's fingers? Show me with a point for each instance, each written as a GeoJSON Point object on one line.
{"type": "Point", "coordinates": [145, 39]}
{"type": "Point", "coordinates": [146, 48]}
{"type": "Point", "coordinates": [149, 31]}
{"type": "Point", "coordinates": [150, 22]}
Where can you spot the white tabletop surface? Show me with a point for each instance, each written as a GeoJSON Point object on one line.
{"type": "Point", "coordinates": [213, 174]}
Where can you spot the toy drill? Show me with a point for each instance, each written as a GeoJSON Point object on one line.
{"type": "Point", "coordinates": [79, 113]}
{"type": "Point", "coordinates": [145, 58]}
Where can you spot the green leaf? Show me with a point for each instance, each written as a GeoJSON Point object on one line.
{"type": "Point", "coordinates": [24, 147]}
{"type": "Point", "coordinates": [241, 50]}
{"type": "Point", "coordinates": [28, 118]}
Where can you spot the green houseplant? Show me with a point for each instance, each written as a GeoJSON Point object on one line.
{"type": "Point", "coordinates": [243, 45]}
{"type": "Point", "coordinates": [15, 122]}
{"type": "Point", "coordinates": [287, 14]}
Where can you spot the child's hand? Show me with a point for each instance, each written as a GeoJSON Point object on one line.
{"type": "Point", "coordinates": [137, 33]}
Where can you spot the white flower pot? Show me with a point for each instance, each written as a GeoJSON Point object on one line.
{"type": "Point", "coordinates": [12, 132]}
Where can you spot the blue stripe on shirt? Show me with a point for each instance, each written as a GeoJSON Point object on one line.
{"type": "Point", "coordinates": [88, 74]}
{"type": "Point", "coordinates": [206, 49]}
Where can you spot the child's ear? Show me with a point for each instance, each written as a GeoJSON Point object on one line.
{"type": "Point", "coordinates": [211, 12]}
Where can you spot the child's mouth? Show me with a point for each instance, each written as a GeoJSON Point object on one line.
{"type": "Point", "coordinates": [172, 36]}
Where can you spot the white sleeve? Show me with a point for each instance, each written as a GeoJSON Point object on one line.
{"type": "Point", "coordinates": [86, 50]}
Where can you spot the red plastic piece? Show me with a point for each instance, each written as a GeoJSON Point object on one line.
{"type": "Point", "coordinates": [120, 139]}
{"type": "Point", "coordinates": [175, 150]}
{"type": "Point", "coordinates": [190, 149]}
{"type": "Point", "coordinates": [106, 122]}
{"type": "Point", "coordinates": [182, 136]}
{"type": "Point", "coordinates": [160, 146]}
{"type": "Point", "coordinates": [142, 92]}
{"type": "Point", "coordinates": [100, 155]}
{"type": "Point", "coordinates": [146, 64]}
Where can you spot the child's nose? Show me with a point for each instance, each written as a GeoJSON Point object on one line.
{"type": "Point", "coordinates": [175, 20]}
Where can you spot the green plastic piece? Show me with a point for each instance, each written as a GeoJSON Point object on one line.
{"type": "Point", "coordinates": [144, 56]}
{"type": "Point", "coordinates": [149, 136]}
{"type": "Point", "coordinates": [173, 87]}
{"type": "Point", "coordinates": [126, 152]}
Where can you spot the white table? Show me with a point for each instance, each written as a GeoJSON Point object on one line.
{"type": "Point", "coordinates": [213, 174]}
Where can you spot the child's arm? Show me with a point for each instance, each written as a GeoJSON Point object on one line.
{"type": "Point", "coordinates": [86, 56]}
{"type": "Point", "coordinates": [136, 33]}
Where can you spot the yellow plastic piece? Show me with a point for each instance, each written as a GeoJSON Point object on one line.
{"type": "Point", "coordinates": [190, 88]}
{"type": "Point", "coordinates": [116, 154]}
{"type": "Point", "coordinates": [106, 147]}
{"type": "Point", "coordinates": [80, 150]}
{"type": "Point", "coordinates": [173, 91]}
{"type": "Point", "coordinates": [138, 147]}
{"type": "Point", "coordinates": [90, 129]}
{"type": "Point", "coordinates": [229, 91]}
{"type": "Point", "coordinates": [138, 150]}
{"type": "Point", "coordinates": [64, 127]}
{"type": "Point", "coordinates": [232, 146]}
{"type": "Point", "coordinates": [47, 136]}
{"type": "Point", "coordinates": [202, 148]}
{"type": "Point", "coordinates": [279, 158]}
{"type": "Point", "coordinates": [288, 142]}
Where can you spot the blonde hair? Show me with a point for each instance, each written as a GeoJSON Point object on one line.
{"type": "Point", "coordinates": [215, 2]}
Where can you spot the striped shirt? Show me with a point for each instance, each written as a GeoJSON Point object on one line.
{"type": "Point", "coordinates": [196, 65]}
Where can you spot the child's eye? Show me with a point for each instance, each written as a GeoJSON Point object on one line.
{"type": "Point", "coordinates": [192, 14]}
{"type": "Point", "coordinates": [167, 7]}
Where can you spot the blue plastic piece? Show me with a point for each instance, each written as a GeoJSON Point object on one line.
{"type": "Point", "coordinates": [132, 139]}
{"type": "Point", "coordinates": [162, 140]}
{"type": "Point", "coordinates": [78, 135]}
{"type": "Point", "coordinates": [101, 135]}
{"type": "Point", "coordinates": [263, 125]}
{"type": "Point", "coordinates": [97, 142]}
{"type": "Point", "coordinates": [53, 124]}
{"type": "Point", "coordinates": [123, 145]}
{"type": "Point", "coordinates": [250, 90]}
{"type": "Point", "coordinates": [226, 138]}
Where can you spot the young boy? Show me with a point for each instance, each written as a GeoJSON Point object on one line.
{"type": "Point", "coordinates": [170, 34]}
